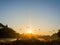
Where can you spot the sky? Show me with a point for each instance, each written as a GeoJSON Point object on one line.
{"type": "Point", "coordinates": [38, 14]}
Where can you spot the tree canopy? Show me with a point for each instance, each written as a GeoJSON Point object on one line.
{"type": "Point", "coordinates": [6, 32]}
{"type": "Point", "coordinates": [58, 33]}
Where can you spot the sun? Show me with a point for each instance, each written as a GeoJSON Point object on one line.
{"type": "Point", "coordinates": [29, 31]}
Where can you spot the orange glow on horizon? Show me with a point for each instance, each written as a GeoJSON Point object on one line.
{"type": "Point", "coordinates": [33, 30]}
{"type": "Point", "coordinates": [29, 31]}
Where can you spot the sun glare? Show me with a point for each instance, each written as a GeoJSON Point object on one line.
{"type": "Point", "coordinates": [29, 31]}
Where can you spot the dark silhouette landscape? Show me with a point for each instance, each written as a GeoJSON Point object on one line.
{"type": "Point", "coordinates": [29, 22]}
{"type": "Point", "coordinates": [9, 37]}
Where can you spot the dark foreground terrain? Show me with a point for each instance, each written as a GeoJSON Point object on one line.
{"type": "Point", "coordinates": [6, 33]}
{"type": "Point", "coordinates": [31, 42]}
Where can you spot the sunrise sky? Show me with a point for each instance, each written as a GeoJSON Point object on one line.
{"type": "Point", "coordinates": [37, 14]}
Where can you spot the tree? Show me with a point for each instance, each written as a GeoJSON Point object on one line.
{"type": "Point", "coordinates": [7, 32]}
{"type": "Point", "coordinates": [58, 33]}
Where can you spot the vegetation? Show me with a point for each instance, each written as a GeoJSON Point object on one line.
{"type": "Point", "coordinates": [58, 33]}
{"type": "Point", "coordinates": [6, 32]}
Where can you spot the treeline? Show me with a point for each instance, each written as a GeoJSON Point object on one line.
{"type": "Point", "coordinates": [7, 32]}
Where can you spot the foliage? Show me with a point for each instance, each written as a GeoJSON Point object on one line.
{"type": "Point", "coordinates": [58, 33]}
{"type": "Point", "coordinates": [6, 32]}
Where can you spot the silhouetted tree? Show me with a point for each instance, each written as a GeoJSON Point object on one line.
{"type": "Point", "coordinates": [1, 25]}
{"type": "Point", "coordinates": [58, 33]}
{"type": "Point", "coordinates": [7, 32]}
